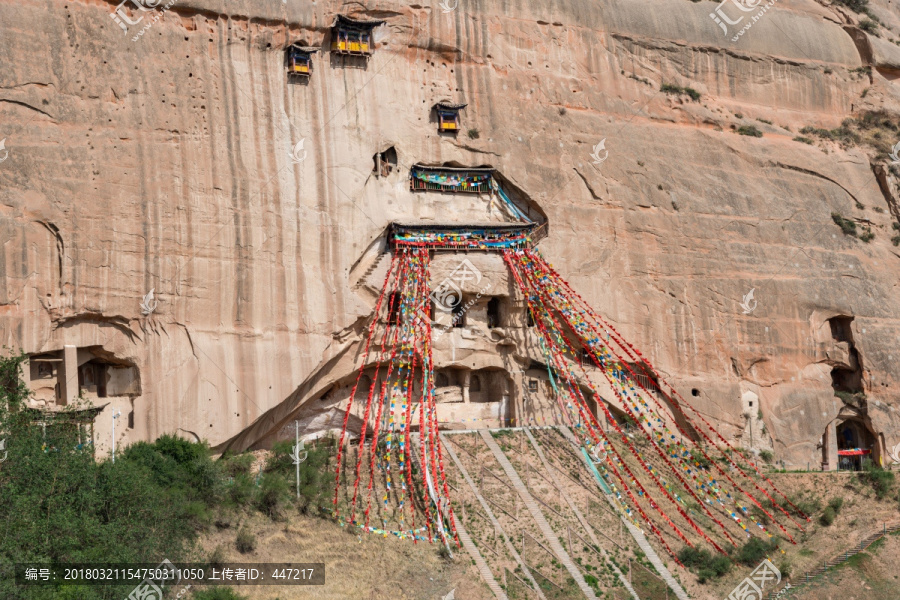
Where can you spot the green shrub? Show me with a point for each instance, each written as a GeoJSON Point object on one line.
{"type": "Point", "coordinates": [273, 495]}
{"type": "Point", "coordinates": [855, 5]}
{"type": "Point", "coordinates": [847, 226]}
{"type": "Point", "coordinates": [836, 503]}
{"type": "Point", "coordinates": [881, 481]}
{"type": "Point", "coordinates": [675, 90]}
{"type": "Point", "coordinates": [867, 235]}
{"type": "Point", "coordinates": [703, 563]}
{"type": "Point", "coordinates": [828, 516]}
{"type": "Point", "coordinates": [245, 541]}
{"type": "Point", "coordinates": [868, 25]}
{"type": "Point", "coordinates": [766, 456]}
{"type": "Point", "coordinates": [239, 465]}
{"type": "Point", "coordinates": [896, 240]}
{"type": "Point", "coordinates": [474, 133]}
{"type": "Point", "coordinates": [750, 130]}
{"type": "Point", "coordinates": [786, 567]}
{"type": "Point", "coordinates": [807, 506]}
{"type": "Point", "coordinates": [803, 140]}
{"type": "Point", "coordinates": [241, 490]}
{"type": "Point", "coordinates": [754, 551]}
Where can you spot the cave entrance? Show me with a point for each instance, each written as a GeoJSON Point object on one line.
{"type": "Point", "coordinates": [855, 445]}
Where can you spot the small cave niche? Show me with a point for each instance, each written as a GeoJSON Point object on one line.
{"type": "Point", "coordinates": [385, 162]}
{"type": "Point", "coordinates": [98, 372]}
{"type": "Point", "coordinates": [459, 315]}
{"type": "Point", "coordinates": [394, 302]}
{"type": "Point", "coordinates": [846, 376]}
{"type": "Point", "coordinates": [841, 328]}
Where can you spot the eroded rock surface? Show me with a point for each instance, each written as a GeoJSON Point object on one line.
{"type": "Point", "coordinates": [169, 160]}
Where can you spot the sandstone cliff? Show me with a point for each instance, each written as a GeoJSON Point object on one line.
{"type": "Point", "coordinates": [162, 160]}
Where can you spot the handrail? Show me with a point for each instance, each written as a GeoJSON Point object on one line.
{"type": "Point", "coordinates": [838, 560]}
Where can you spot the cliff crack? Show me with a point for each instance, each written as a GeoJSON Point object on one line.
{"type": "Point", "coordinates": [26, 105]}
{"type": "Point", "coordinates": [814, 174]}
{"type": "Point", "coordinates": [588, 186]}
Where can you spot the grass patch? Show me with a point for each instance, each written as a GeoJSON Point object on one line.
{"type": "Point", "coordinates": [803, 140]}
{"type": "Point", "coordinates": [675, 90]}
{"type": "Point", "coordinates": [847, 226]}
{"type": "Point", "coordinates": [767, 456]}
{"type": "Point", "coordinates": [754, 551]}
{"type": "Point", "coordinates": [880, 480]}
{"type": "Point", "coordinates": [868, 25]}
{"type": "Point", "coordinates": [750, 130]}
{"type": "Point", "coordinates": [867, 235]}
{"type": "Point", "coordinates": [854, 5]}
{"type": "Point", "coordinates": [704, 564]}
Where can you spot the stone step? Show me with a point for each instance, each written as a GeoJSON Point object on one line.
{"type": "Point", "coordinates": [635, 532]}
{"type": "Point", "coordinates": [490, 514]}
{"type": "Point", "coordinates": [578, 515]}
{"type": "Point", "coordinates": [551, 538]}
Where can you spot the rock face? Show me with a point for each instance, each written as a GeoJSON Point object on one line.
{"type": "Point", "coordinates": [164, 148]}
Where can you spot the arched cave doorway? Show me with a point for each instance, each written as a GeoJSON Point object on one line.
{"type": "Point", "coordinates": [855, 444]}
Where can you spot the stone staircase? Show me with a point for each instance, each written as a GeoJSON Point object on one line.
{"type": "Point", "coordinates": [578, 515]}
{"type": "Point", "coordinates": [837, 560]}
{"type": "Point", "coordinates": [635, 532]}
{"type": "Point", "coordinates": [547, 531]}
{"type": "Point", "coordinates": [496, 524]}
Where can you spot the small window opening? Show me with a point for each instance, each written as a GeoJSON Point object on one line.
{"type": "Point", "coordinates": [352, 36]}
{"type": "Point", "coordinates": [532, 385]}
{"type": "Point", "coordinates": [459, 314]}
{"type": "Point", "coordinates": [394, 309]}
{"type": "Point", "coordinates": [299, 61]}
{"type": "Point", "coordinates": [448, 117]}
{"type": "Point", "coordinates": [529, 318]}
{"type": "Point", "coordinates": [695, 392]}
{"type": "Point", "coordinates": [493, 312]}
{"type": "Point", "coordinates": [586, 359]}
{"type": "Point", "coordinates": [841, 328]}
{"type": "Point", "coordinates": [385, 162]}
